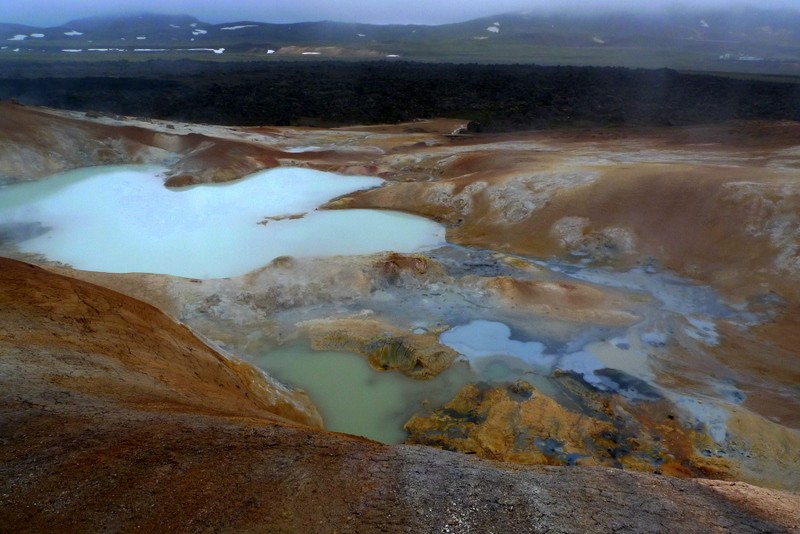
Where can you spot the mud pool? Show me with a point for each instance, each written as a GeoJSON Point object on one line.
{"type": "Point", "coordinates": [355, 399]}
{"type": "Point", "coordinates": [122, 219]}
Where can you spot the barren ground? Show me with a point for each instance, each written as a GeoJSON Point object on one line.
{"type": "Point", "coordinates": [144, 424]}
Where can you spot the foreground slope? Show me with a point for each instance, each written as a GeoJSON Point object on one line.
{"type": "Point", "coordinates": [113, 417]}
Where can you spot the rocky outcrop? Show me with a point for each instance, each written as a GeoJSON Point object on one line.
{"type": "Point", "coordinates": [115, 418]}
{"type": "Point", "coordinates": [520, 424]}
{"type": "Point", "coordinates": [386, 347]}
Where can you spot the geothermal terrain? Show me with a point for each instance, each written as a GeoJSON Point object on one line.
{"type": "Point", "coordinates": [617, 305]}
{"type": "Point", "coordinates": [358, 296]}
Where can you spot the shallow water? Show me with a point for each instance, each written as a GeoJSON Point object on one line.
{"type": "Point", "coordinates": [486, 339]}
{"type": "Point", "coordinates": [496, 356]}
{"type": "Point", "coordinates": [675, 313]}
{"type": "Point", "coordinates": [354, 398]}
{"type": "Point", "coordinates": [122, 219]}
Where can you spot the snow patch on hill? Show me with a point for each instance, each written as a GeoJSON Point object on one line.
{"type": "Point", "coordinates": [240, 27]}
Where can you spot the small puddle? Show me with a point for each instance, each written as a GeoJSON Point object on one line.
{"type": "Point", "coordinates": [495, 356]}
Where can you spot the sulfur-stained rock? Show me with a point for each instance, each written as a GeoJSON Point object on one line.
{"type": "Point", "coordinates": [182, 180]}
{"type": "Point", "coordinates": [766, 449]}
{"type": "Point", "coordinates": [386, 347]}
{"type": "Point", "coordinates": [207, 159]}
{"type": "Point", "coordinates": [571, 301]}
{"type": "Point", "coordinates": [576, 236]}
{"type": "Point", "coordinates": [518, 423]}
{"type": "Point", "coordinates": [397, 268]}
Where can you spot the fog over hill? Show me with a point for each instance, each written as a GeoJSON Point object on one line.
{"type": "Point", "coordinates": [55, 12]}
{"type": "Point", "coordinates": [740, 39]}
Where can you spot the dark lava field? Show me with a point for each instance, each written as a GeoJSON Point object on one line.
{"type": "Point", "coordinates": [335, 93]}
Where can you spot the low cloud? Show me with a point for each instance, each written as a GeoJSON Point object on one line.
{"type": "Point", "coordinates": [56, 12]}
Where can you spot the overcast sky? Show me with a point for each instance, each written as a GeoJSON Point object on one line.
{"type": "Point", "coordinates": [56, 12]}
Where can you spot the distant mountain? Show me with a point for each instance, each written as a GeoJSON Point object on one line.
{"type": "Point", "coordinates": [710, 39]}
{"type": "Point", "coordinates": [10, 30]}
{"type": "Point", "coordinates": [114, 26]}
{"type": "Point", "coordinates": [746, 25]}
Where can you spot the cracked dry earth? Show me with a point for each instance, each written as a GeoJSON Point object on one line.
{"type": "Point", "coordinates": [115, 416]}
